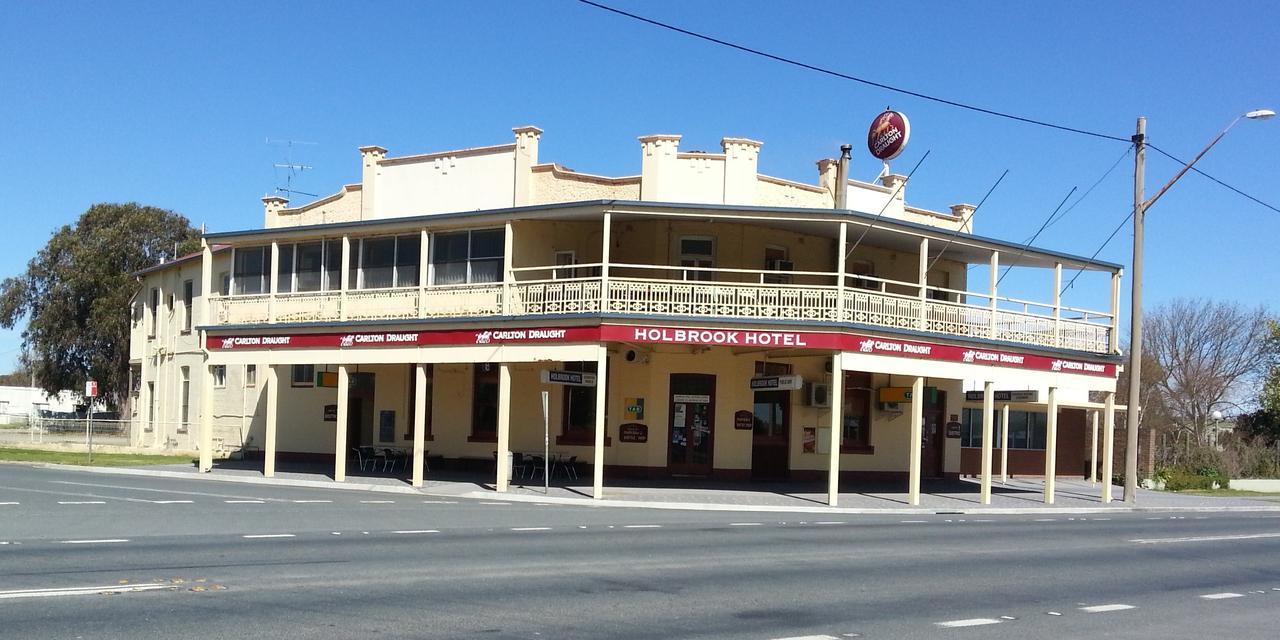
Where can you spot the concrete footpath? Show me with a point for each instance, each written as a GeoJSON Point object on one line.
{"type": "Point", "coordinates": [1018, 496]}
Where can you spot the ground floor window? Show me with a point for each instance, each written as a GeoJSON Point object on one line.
{"type": "Point", "coordinates": [303, 375]}
{"type": "Point", "coordinates": [250, 375]}
{"type": "Point", "coordinates": [484, 403]}
{"type": "Point", "coordinates": [185, 400]}
{"type": "Point", "coordinates": [579, 415]}
{"type": "Point", "coordinates": [1027, 429]}
{"type": "Point", "coordinates": [219, 376]}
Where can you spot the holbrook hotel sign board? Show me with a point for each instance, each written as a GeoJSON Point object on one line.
{"type": "Point", "coordinates": [706, 336]}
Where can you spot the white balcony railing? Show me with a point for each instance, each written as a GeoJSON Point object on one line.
{"type": "Point", "coordinates": [1088, 331]}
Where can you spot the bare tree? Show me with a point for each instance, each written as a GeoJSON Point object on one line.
{"type": "Point", "coordinates": [1210, 354]}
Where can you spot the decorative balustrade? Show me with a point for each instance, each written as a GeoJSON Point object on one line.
{"type": "Point", "coordinates": [677, 298]}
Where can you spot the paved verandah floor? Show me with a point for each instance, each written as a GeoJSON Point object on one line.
{"type": "Point", "coordinates": [962, 494]}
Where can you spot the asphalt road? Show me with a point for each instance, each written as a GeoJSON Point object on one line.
{"type": "Point", "coordinates": [147, 557]}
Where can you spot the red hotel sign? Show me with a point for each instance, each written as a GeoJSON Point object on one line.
{"type": "Point", "coordinates": [852, 342]}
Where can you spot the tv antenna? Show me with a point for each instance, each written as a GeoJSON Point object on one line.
{"type": "Point", "coordinates": [290, 168]}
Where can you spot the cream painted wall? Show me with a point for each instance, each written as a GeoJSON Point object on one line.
{"type": "Point", "coordinates": [445, 184]}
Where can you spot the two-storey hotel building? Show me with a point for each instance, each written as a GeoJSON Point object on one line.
{"type": "Point", "coordinates": [738, 326]}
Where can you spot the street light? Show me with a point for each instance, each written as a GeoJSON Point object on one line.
{"type": "Point", "coordinates": [1140, 206]}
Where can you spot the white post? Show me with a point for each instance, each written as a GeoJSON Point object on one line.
{"type": "Point", "coordinates": [274, 279]}
{"type": "Point", "coordinates": [1115, 312]}
{"type": "Point", "coordinates": [504, 427]}
{"type": "Point", "coordinates": [1108, 444]}
{"type": "Point", "coordinates": [837, 424]}
{"type": "Point", "coordinates": [419, 423]}
{"type": "Point", "coordinates": [597, 467]}
{"type": "Point", "coordinates": [206, 417]}
{"type": "Point", "coordinates": [1093, 455]}
{"type": "Point", "coordinates": [508, 277]}
{"type": "Point", "coordinates": [1057, 304]}
{"type": "Point", "coordinates": [995, 270]}
{"type": "Point", "coordinates": [345, 278]}
{"type": "Point", "coordinates": [841, 265]}
{"type": "Point", "coordinates": [340, 427]}
{"type": "Point", "coordinates": [423, 267]}
{"type": "Point", "coordinates": [1004, 444]}
{"type": "Point", "coordinates": [546, 442]}
{"type": "Point", "coordinates": [206, 286]}
{"type": "Point", "coordinates": [273, 404]}
{"type": "Point", "coordinates": [606, 244]}
{"type": "Point", "coordinates": [924, 283]}
{"type": "Point", "coordinates": [915, 443]}
{"type": "Point", "coordinates": [988, 433]}
{"type": "Point", "coordinates": [1051, 447]}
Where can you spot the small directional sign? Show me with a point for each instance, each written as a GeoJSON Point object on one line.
{"type": "Point", "coordinates": [571, 378]}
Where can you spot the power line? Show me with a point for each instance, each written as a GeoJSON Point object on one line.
{"type": "Point", "coordinates": [845, 76]}
{"type": "Point", "coordinates": [1027, 245]}
{"type": "Point", "coordinates": [893, 195]}
{"type": "Point", "coordinates": [1197, 170]}
{"type": "Point", "coordinates": [1100, 248]}
{"type": "Point", "coordinates": [956, 233]}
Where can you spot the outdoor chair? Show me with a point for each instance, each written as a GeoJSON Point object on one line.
{"type": "Point", "coordinates": [570, 467]}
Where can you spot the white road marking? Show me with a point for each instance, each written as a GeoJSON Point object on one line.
{"type": "Point", "coordinates": [831, 522]}
{"type": "Point", "coordinates": [439, 502]}
{"type": "Point", "coordinates": [640, 526]}
{"type": "Point", "coordinates": [404, 531]}
{"type": "Point", "coordinates": [80, 591]}
{"type": "Point", "coordinates": [99, 541]}
{"type": "Point", "coordinates": [1043, 520]}
{"type": "Point", "coordinates": [968, 622]}
{"type": "Point", "coordinates": [816, 637]}
{"type": "Point", "coordinates": [172, 501]}
{"type": "Point", "coordinates": [310, 501]}
{"type": "Point", "coordinates": [744, 524]}
{"type": "Point", "coordinates": [1008, 618]}
{"type": "Point", "coordinates": [1249, 536]}
{"type": "Point", "coordinates": [81, 502]}
{"type": "Point", "coordinates": [8, 503]}
{"type": "Point", "coordinates": [377, 502]}
{"type": "Point", "coordinates": [530, 528]}
{"type": "Point", "coordinates": [984, 520]}
{"type": "Point", "coordinates": [1101, 519]}
{"type": "Point", "coordinates": [1103, 608]}
{"type": "Point", "coordinates": [243, 501]}
{"type": "Point", "coordinates": [1221, 596]}
{"type": "Point", "coordinates": [268, 535]}
{"type": "Point", "coordinates": [913, 521]}
{"type": "Point", "coordinates": [1054, 613]}
{"type": "Point", "coordinates": [128, 488]}
{"type": "Point", "coordinates": [497, 504]}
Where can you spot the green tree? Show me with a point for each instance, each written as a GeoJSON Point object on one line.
{"type": "Point", "coordinates": [1265, 422]}
{"type": "Point", "coordinates": [76, 291]}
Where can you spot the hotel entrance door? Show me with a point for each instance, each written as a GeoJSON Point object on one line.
{"type": "Point", "coordinates": [692, 424]}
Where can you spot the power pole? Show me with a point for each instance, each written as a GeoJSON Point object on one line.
{"type": "Point", "coordinates": [1134, 416]}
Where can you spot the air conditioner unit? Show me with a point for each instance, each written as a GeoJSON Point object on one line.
{"type": "Point", "coordinates": [819, 394]}
{"type": "Point", "coordinates": [635, 357]}
{"type": "Point", "coordinates": [891, 407]}
{"type": "Point", "coordinates": [782, 265]}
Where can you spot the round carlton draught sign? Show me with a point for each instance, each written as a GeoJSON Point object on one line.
{"type": "Point", "coordinates": [888, 135]}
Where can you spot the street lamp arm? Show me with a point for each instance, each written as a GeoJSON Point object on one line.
{"type": "Point", "coordinates": [1187, 167]}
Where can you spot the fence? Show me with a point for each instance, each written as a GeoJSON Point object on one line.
{"type": "Point", "coordinates": [65, 428]}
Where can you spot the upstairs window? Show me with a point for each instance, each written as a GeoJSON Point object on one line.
{"type": "Point", "coordinates": [284, 274]}
{"type": "Point", "coordinates": [863, 268]}
{"type": "Point", "coordinates": [249, 271]}
{"type": "Point", "coordinates": [698, 251]}
{"type": "Point", "coordinates": [775, 259]}
{"type": "Point", "coordinates": [389, 262]}
{"type": "Point", "coordinates": [188, 295]}
{"type": "Point", "coordinates": [463, 257]}
{"type": "Point", "coordinates": [153, 308]}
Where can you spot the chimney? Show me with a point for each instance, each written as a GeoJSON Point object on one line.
{"type": "Point", "coordinates": [827, 169]}
{"type": "Point", "coordinates": [272, 206]}
{"type": "Point", "coordinates": [962, 212]}
{"type": "Point", "coordinates": [369, 158]}
{"type": "Point", "coordinates": [526, 156]}
{"type": "Point", "coordinates": [741, 157]}
{"type": "Point", "coordinates": [657, 166]}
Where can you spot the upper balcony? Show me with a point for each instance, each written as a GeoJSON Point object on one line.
{"type": "Point", "coordinates": [417, 272]}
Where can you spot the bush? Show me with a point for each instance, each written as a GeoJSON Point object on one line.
{"type": "Point", "coordinates": [1185, 479]}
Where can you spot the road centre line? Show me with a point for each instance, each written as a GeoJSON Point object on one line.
{"type": "Point", "coordinates": [831, 522]}
{"type": "Point", "coordinates": [744, 524]}
{"type": "Point", "coordinates": [9, 503]}
{"type": "Point", "coordinates": [1104, 608]}
{"type": "Point", "coordinates": [821, 637]}
{"type": "Point", "coordinates": [1249, 536]}
{"type": "Point", "coordinates": [377, 502]}
{"type": "Point", "coordinates": [80, 591]}
{"type": "Point", "coordinates": [496, 504]}
{"type": "Point", "coordinates": [243, 501]}
{"type": "Point", "coordinates": [530, 528]}
{"type": "Point", "coordinates": [148, 489]}
{"type": "Point", "coordinates": [172, 501]}
{"type": "Point", "coordinates": [641, 526]}
{"type": "Point", "coordinates": [80, 495]}
{"type": "Point", "coordinates": [439, 502]}
{"type": "Point", "coordinates": [968, 622]}
{"type": "Point", "coordinates": [1221, 596]}
{"type": "Point", "coordinates": [268, 535]}
{"type": "Point", "coordinates": [99, 541]}
{"type": "Point", "coordinates": [310, 501]}
{"type": "Point", "coordinates": [81, 502]}
{"type": "Point", "coordinates": [406, 531]}
{"type": "Point", "coordinates": [914, 521]}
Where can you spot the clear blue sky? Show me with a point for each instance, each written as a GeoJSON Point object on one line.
{"type": "Point", "coordinates": [171, 104]}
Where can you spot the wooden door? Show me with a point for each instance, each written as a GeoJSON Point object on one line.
{"type": "Point", "coordinates": [771, 435]}
{"type": "Point", "coordinates": [691, 424]}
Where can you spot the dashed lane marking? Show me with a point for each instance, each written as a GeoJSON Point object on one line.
{"type": "Point", "coordinates": [9, 503]}
{"type": "Point", "coordinates": [410, 531]}
{"type": "Point", "coordinates": [243, 501]}
{"type": "Point", "coordinates": [81, 502]}
{"type": "Point", "coordinates": [530, 528]}
{"type": "Point", "coordinates": [820, 637]}
{"type": "Point", "coordinates": [968, 622]}
{"type": "Point", "coordinates": [640, 526]}
{"type": "Point", "coordinates": [1104, 608]}
{"type": "Point", "coordinates": [831, 522]}
{"type": "Point", "coordinates": [98, 541]}
{"type": "Point", "coordinates": [172, 501]}
{"type": "Point", "coordinates": [913, 521]}
{"type": "Point", "coordinates": [1044, 520]}
{"type": "Point", "coordinates": [79, 591]}
{"type": "Point", "coordinates": [744, 524]}
{"type": "Point", "coordinates": [496, 504]}
{"type": "Point", "coordinates": [1221, 596]}
{"type": "Point", "coordinates": [377, 502]}
{"type": "Point", "coordinates": [310, 501]}
{"type": "Point", "coordinates": [439, 502]}
{"type": "Point", "coordinates": [268, 535]}
{"type": "Point", "coordinates": [1247, 536]}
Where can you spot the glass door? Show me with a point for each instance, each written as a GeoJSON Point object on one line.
{"type": "Point", "coordinates": [692, 424]}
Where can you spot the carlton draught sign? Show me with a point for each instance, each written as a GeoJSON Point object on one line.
{"type": "Point", "coordinates": [888, 135]}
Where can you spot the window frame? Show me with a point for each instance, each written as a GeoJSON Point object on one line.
{"type": "Point", "coordinates": [581, 435]}
{"type": "Point", "coordinates": [859, 386]}
{"type": "Point", "coordinates": [219, 374]}
{"type": "Point", "coordinates": [250, 375]}
{"type": "Point", "coordinates": [696, 258]}
{"type": "Point", "coordinates": [295, 381]}
{"type": "Point", "coordinates": [184, 399]}
{"type": "Point", "coordinates": [490, 377]}
{"type": "Point", "coordinates": [1033, 423]}
{"type": "Point", "coordinates": [470, 260]}
{"type": "Point", "coordinates": [188, 305]}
